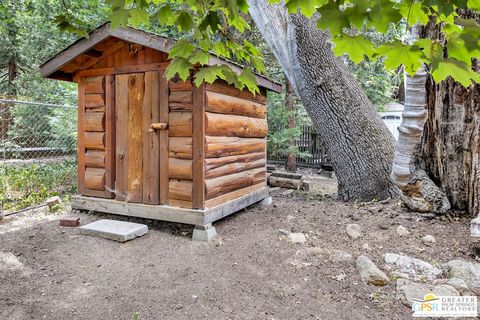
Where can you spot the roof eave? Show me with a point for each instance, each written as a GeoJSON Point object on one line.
{"type": "Point", "coordinates": [143, 38]}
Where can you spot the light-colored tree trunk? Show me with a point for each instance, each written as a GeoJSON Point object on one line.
{"type": "Point", "coordinates": [418, 191]}
{"type": "Point", "coordinates": [356, 139]}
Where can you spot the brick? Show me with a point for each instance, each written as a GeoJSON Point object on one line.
{"type": "Point", "coordinates": [69, 221]}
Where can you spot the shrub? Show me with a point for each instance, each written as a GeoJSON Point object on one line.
{"type": "Point", "coordinates": [31, 184]}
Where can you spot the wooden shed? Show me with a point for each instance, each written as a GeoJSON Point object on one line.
{"type": "Point", "coordinates": [159, 149]}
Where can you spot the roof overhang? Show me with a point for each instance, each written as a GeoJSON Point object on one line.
{"type": "Point", "coordinates": [136, 36]}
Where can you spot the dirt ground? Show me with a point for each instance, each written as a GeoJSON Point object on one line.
{"type": "Point", "coordinates": [249, 272]}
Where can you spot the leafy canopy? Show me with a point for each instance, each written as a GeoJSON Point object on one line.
{"type": "Point", "coordinates": [215, 25]}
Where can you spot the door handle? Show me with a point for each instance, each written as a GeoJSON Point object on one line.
{"type": "Point", "coordinates": [158, 126]}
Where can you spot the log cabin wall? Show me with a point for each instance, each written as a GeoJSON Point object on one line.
{"type": "Point", "coordinates": [95, 139]}
{"type": "Point", "coordinates": [235, 142]}
{"type": "Point", "coordinates": [180, 129]}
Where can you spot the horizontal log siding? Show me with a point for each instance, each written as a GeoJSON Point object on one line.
{"type": "Point", "coordinates": [235, 144]}
{"type": "Point", "coordinates": [180, 144]}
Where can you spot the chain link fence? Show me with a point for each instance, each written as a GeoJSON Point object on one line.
{"type": "Point", "coordinates": [32, 130]}
{"type": "Point", "coordinates": [38, 144]}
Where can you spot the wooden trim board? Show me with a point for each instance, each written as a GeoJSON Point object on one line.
{"type": "Point", "coordinates": [168, 213]}
{"type": "Point", "coordinates": [198, 147]}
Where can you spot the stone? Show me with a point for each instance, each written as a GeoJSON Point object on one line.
{"type": "Point", "coordinates": [428, 239]}
{"type": "Point", "coordinates": [475, 230]}
{"type": "Point", "coordinates": [266, 201]}
{"type": "Point", "coordinates": [341, 256]}
{"type": "Point", "coordinates": [416, 268]}
{"type": "Point", "coordinates": [296, 237]}
{"type": "Point", "coordinates": [306, 185]}
{"type": "Point", "coordinates": [465, 270]}
{"type": "Point", "coordinates": [370, 273]}
{"type": "Point", "coordinates": [287, 192]}
{"type": "Point", "coordinates": [53, 201]}
{"type": "Point", "coordinates": [402, 231]}
{"type": "Point", "coordinates": [120, 231]}
{"type": "Point", "coordinates": [204, 233]}
{"type": "Point", "coordinates": [408, 290]}
{"type": "Point", "coordinates": [69, 221]}
{"type": "Point", "coordinates": [457, 283]}
{"type": "Point", "coordinates": [354, 231]}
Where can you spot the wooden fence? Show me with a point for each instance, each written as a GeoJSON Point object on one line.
{"type": "Point", "coordinates": [308, 143]}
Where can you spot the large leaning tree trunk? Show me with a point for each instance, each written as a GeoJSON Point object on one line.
{"type": "Point", "coordinates": [356, 139]}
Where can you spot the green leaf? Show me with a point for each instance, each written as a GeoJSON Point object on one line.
{"type": "Point", "coordinates": [208, 74]}
{"type": "Point", "coordinates": [248, 79]}
{"type": "Point", "coordinates": [332, 19]}
{"type": "Point", "coordinates": [397, 54]}
{"type": "Point", "coordinates": [463, 47]}
{"type": "Point", "coordinates": [138, 16]}
{"type": "Point", "coordinates": [211, 20]}
{"type": "Point", "coordinates": [413, 12]}
{"type": "Point", "coordinates": [460, 71]}
{"type": "Point", "coordinates": [118, 18]}
{"type": "Point", "coordinates": [165, 15]}
{"type": "Point", "coordinates": [184, 21]}
{"type": "Point", "coordinates": [474, 4]}
{"type": "Point", "coordinates": [181, 49]}
{"type": "Point", "coordinates": [307, 7]}
{"type": "Point", "coordinates": [356, 47]}
{"type": "Point", "coordinates": [432, 50]}
{"type": "Point", "coordinates": [180, 66]}
{"type": "Point", "coordinates": [382, 14]}
{"type": "Point", "coordinates": [243, 5]}
{"type": "Point", "coordinates": [200, 56]}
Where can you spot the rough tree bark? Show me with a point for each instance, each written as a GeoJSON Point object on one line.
{"type": "Point", "coordinates": [451, 143]}
{"type": "Point", "coordinates": [356, 139]}
{"type": "Point", "coordinates": [291, 163]}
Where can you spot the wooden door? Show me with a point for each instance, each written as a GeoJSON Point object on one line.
{"type": "Point", "coordinates": [139, 103]}
{"type": "Point", "coordinates": [96, 119]}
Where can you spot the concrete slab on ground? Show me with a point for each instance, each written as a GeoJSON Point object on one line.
{"type": "Point", "coordinates": [120, 231]}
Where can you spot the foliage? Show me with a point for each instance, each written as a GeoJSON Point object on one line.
{"type": "Point", "coordinates": [63, 124]}
{"type": "Point", "coordinates": [29, 35]}
{"type": "Point", "coordinates": [31, 184]}
{"type": "Point", "coordinates": [212, 26]}
{"type": "Point", "coordinates": [279, 135]}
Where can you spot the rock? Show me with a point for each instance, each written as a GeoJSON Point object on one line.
{"type": "Point", "coordinates": [402, 231]}
{"type": "Point", "coordinates": [53, 201]}
{"type": "Point", "coordinates": [457, 283]}
{"type": "Point", "coordinates": [354, 231]}
{"type": "Point", "coordinates": [399, 275]}
{"type": "Point", "coordinates": [287, 192]}
{"type": "Point", "coordinates": [297, 237]}
{"type": "Point", "coordinates": [284, 232]}
{"type": "Point", "coordinates": [266, 201]}
{"type": "Point", "coordinates": [341, 256]}
{"type": "Point", "coordinates": [370, 273]}
{"type": "Point", "coordinates": [408, 290]}
{"type": "Point", "coordinates": [416, 268]}
{"type": "Point", "coordinates": [366, 246]}
{"type": "Point", "coordinates": [428, 239]}
{"type": "Point", "coordinates": [306, 186]}
{"type": "Point", "coordinates": [465, 270]}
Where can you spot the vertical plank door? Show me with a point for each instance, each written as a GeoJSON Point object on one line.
{"type": "Point", "coordinates": [138, 150]}
{"type": "Point", "coordinates": [130, 89]}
